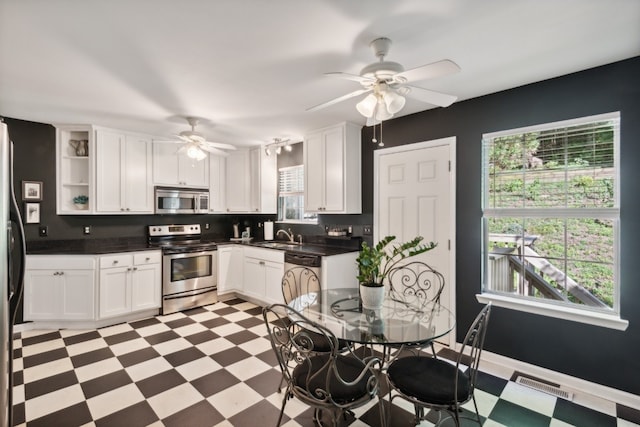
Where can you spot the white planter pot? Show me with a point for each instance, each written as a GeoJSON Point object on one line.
{"type": "Point", "coordinates": [372, 297]}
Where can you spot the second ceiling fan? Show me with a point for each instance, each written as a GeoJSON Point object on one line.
{"type": "Point", "coordinates": [387, 83]}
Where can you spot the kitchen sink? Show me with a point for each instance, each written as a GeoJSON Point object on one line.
{"type": "Point", "coordinates": [279, 245]}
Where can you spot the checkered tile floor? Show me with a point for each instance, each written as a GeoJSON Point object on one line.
{"type": "Point", "coordinates": [213, 366]}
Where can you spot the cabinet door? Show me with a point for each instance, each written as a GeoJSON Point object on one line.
{"type": "Point", "coordinates": [42, 296]}
{"type": "Point", "coordinates": [254, 278]}
{"type": "Point", "coordinates": [115, 297]}
{"type": "Point", "coordinates": [145, 287]}
{"type": "Point", "coordinates": [333, 155]}
{"type": "Point", "coordinates": [77, 290]}
{"type": "Point", "coordinates": [192, 172]}
{"type": "Point", "coordinates": [238, 182]}
{"type": "Point", "coordinates": [255, 168]}
{"type": "Point", "coordinates": [273, 282]}
{"type": "Point", "coordinates": [109, 171]}
{"type": "Point", "coordinates": [313, 173]}
{"type": "Point", "coordinates": [165, 163]}
{"type": "Point", "coordinates": [137, 183]}
{"type": "Point", "coordinates": [217, 184]}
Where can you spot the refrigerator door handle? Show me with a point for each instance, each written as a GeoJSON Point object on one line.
{"type": "Point", "coordinates": [15, 218]}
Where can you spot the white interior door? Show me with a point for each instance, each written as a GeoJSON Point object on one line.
{"type": "Point", "coordinates": [414, 195]}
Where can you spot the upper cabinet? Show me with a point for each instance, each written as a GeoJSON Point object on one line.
{"type": "Point", "coordinates": [264, 182]}
{"type": "Point", "coordinates": [175, 169]}
{"type": "Point", "coordinates": [75, 151]}
{"type": "Point", "coordinates": [123, 173]}
{"type": "Point", "coordinates": [332, 157]}
{"type": "Point", "coordinates": [217, 184]}
{"type": "Point", "coordinates": [251, 182]}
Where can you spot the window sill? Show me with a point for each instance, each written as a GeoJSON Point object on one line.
{"type": "Point", "coordinates": [612, 321]}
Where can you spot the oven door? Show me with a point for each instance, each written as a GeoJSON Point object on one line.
{"type": "Point", "coordinates": [188, 271]}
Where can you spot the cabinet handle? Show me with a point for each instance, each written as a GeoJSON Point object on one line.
{"type": "Point", "coordinates": [56, 273]}
{"type": "Point", "coordinates": [135, 268]}
{"type": "Point", "coordinates": [147, 259]}
{"type": "Point", "coordinates": [261, 262]}
{"type": "Point", "coordinates": [62, 273]}
{"type": "Point", "coordinates": [115, 262]}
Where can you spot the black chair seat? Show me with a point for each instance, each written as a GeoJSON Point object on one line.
{"type": "Point", "coordinates": [348, 368]}
{"type": "Point", "coordinates": [428, 379]}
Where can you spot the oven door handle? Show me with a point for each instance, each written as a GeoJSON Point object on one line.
{"type": "Point", "coordinates": [191, 294]}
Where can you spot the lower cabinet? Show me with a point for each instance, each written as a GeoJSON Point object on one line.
{"type": "Point", "coordinates": [59, 287]}
{"type": "Point", "coordinates": [263, 271]}
{"type": "Point", "coordinates": [129, 282]}
{"type": "Point", "coordinates": [230, 277]}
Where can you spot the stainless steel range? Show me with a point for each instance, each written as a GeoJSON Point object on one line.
{"type": "Point", "coordinates": [189, 267]}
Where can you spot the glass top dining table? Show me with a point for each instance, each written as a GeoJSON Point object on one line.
{"type": "Point", "coordinates": [401, 320]}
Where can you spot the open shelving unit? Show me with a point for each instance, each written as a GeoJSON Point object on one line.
{"type": "Point", "coordinates": [75, 176]}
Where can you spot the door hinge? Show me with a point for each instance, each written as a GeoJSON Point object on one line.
{"type": "Point", "coordinates": [449, 165]}
{"type": "Point", "coordinates": [449, 244]}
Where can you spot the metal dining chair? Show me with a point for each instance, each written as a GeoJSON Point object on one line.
{"type": "Point", "coordinates": [329, 381]}
{"type": "Point", "coordinates": [428, 382]}
{"type": "Point", "coordinates": [420, 284]}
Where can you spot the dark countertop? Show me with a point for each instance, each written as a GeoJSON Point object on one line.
{"type": "Point", "coordinates": [317, 245]}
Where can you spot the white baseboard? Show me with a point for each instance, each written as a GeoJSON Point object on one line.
{"type": "Point", "coordinates": [598, 390]}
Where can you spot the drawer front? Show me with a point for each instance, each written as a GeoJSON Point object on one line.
{"type": "Point", "coordinates": [60, 262]}
{"type": "Point", "coordinates": [274, 255]}
{"type": "Point", "coordinates": [112, 261]}
{"type": "Point", "coordinates": [149, 257]}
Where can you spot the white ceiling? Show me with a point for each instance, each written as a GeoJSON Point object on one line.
{"type": "Point", "coordinates": [250, 68]}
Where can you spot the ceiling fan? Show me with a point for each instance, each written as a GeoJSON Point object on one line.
{"type": "Point", "coordinates": [195, 144]}
{"type": "Point", "coordinates": [387, 83]}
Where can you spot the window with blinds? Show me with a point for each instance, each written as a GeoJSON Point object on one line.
{"type": "Point", "coordinates": [291, 195]}
{"type": "Point", "coordinates": [551, 213]}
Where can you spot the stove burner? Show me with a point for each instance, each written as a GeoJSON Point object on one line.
{"type": "Point", "coordinates": [173, 239]}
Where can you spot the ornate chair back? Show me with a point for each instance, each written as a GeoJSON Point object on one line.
{"type": "Point", "coordinates": [416, 279]}
{"type": "Point", "coordinates": [299, 281]}
{"type": "Point", "coordinates": [328, 381]}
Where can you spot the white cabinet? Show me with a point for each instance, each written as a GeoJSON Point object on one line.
{"type": "Point", "coordinates": [129, 282]}
{"type": "Point", "coordinates": [123, 173]}
{"type": "Point", "coordinates": [230, 264]}
{"type": "Point", "coordinates": [332, 170]}
{"type": "Point", "coordinates": [217, 183]}
{"type": "Point", "coordinates": [59, 287]}
{"type": "Point", "coordinates": [264, 182]}
{"type": "Point", "coordinates": [238, 181]}
{"type": "Point", "coordinates": [251, 181]}
{"type": "Point", "coordinates": [75, 152]}
{"type": "Point", "coordinates": [263, 271]}
{"type": "Point", "coordinates": [175, 169]}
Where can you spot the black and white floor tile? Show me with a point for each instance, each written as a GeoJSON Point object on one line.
{"type": "Point", "coordinates": [213, 366]}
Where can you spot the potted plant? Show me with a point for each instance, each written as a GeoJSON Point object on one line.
{"type": "Point", "coordinates": [375, 263]}
{"type": "Point", "coordinates": [81, 202]}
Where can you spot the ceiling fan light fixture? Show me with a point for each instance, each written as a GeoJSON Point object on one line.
{"type": "Point", "coordinates": [381, 111]}
{"type": "Point", "coordinates": [393, 101]}
{"type": "Point", "coordinates": [367, 106]}
{"type": "Point", "coordinates": [195, 152]}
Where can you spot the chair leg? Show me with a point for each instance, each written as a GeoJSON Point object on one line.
{"type": "Point", "coordinates": [280, 385]}
{"type": "Point", "coordinates": [284, 402]}
{"type": "Point", "coordinates": [433, 350]}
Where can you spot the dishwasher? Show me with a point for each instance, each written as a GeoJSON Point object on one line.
{"type": "Point", "coordinates": [296, 259]}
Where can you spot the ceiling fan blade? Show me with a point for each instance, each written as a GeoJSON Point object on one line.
{"type": "Point", "coordinates": [218, 145]}
{"type": "Point", "coordinates": [429, 71]}
{"type": "Point", "coordinates": [339, 99]}
{"type": "Point", "coordinates": [431, 97]}
{"type": "Point", "coordinates": [182, 149]}
{"type": "Point", "coordinates": [169, 141]}
{"type": "Point", "coordinates": [214, 150]}
{"type": "Point", "coordinates": [353, 77]}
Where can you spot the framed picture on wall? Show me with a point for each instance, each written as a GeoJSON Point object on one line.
{"type": "Point", "coordinates": [32, 213]}
{"type": "Point", "coordinates": [32, 190]}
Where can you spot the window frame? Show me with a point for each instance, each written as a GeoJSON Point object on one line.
{"type": "Point", "coordinates": [546, 307]}
{"type": "Point", "coordinates": [292, 193]}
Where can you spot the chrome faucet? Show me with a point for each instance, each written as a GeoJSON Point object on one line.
{"type": "Point", "coordinates": [289, 234]}
{"type": "Point", "coordinates": [300, 238]}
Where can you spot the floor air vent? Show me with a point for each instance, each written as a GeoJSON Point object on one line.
{"type": "Point", "coordinates": [545, 388]}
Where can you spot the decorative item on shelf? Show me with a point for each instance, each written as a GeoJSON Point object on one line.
{"type": "Point", "coordinates": [375, 263]}
{"type": "Point", "coordinates": [81, 147]}
{"type": "Point", "coordinates": [81, 202]}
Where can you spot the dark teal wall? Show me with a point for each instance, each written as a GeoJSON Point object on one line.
{"type": "Point", "coordinates": [597, 354]}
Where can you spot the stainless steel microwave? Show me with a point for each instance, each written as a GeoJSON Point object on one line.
{"type": "Point", "coordinates": [170, 200]}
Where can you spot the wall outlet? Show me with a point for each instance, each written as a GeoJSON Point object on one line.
{"type": "Point", "coordinates": [86, 229]}
{"type": "Point", "coordinates": [367, 230]}
{"type": "Point", "coordinates": [43, 231]}
{"type": "Point", "coordinates": [206, 226]}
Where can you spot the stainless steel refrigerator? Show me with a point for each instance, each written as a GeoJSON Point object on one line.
{"type": "Point", "coordinates": [12, 257]}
